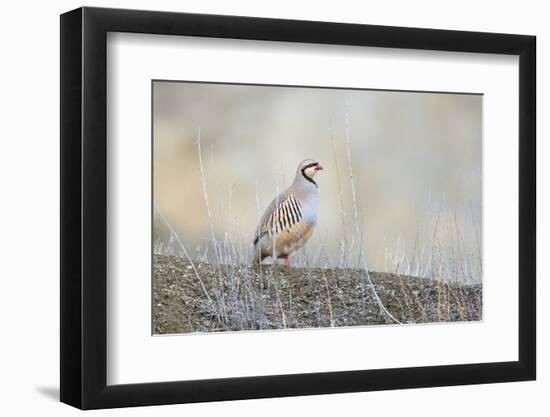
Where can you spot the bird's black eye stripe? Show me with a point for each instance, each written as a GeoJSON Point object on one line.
{"type": "Point", "coordinates": [313, 164]}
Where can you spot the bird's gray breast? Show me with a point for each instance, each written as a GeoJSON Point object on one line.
{"type": "Point", "coordinates": [310, 207]}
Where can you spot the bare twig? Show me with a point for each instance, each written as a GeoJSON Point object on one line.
{"type": "Point", "coordinates": [328, 299]}
{"type": "Point", "coordinates": [340, 199]}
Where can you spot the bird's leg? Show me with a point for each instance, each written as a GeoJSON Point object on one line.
{"type": "Point", "coordinates": [287, 261]}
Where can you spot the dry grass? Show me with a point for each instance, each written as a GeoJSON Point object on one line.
{"type": "Point", "coordinates": [275, 298]}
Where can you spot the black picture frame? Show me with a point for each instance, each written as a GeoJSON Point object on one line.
{"type": "Point", "coordinates": [84, 207]}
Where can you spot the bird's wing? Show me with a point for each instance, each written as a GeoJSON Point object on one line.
{"type": "Point", "coordinates": [282, 214]}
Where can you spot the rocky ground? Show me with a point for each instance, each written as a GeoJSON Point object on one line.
{"type": "Point", "coordinates": [201, 297]}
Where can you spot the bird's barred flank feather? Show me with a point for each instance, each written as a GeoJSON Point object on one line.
{"type": "Point", "coordinates": [286, 215]}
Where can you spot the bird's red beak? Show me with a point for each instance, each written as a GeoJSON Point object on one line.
{"type": "Point", "coordinates": [318, 167]}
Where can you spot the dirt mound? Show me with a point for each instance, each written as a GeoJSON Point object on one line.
{"type": "Point", "coordinates": [202, 297]}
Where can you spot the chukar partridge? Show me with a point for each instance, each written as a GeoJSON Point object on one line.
{"type": "Point", "coordinates": [289, 221]}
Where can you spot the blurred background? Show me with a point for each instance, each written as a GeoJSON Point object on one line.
{"type": "Point", "coordinates": [416, 160]}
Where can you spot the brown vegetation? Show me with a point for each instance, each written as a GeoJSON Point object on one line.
{"type": "Point", "coordinates": [201, 297]}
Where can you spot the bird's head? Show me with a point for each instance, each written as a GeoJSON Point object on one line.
{"type": "Point", "coordinates": [308, 168]}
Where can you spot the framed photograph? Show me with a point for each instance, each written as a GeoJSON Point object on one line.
{"type": "Point", "coordinates": [257, 208]}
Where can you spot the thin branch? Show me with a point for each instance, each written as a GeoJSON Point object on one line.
{"type": "Point", "coordinates": [340, 197]}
